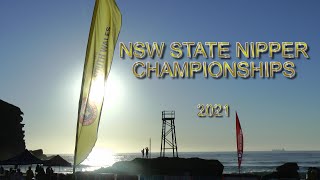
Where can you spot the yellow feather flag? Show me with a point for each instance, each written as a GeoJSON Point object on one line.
{"type": "Point", "coordinates": [104, 31]}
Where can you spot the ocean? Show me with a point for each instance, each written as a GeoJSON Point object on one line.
{"type": "Point", "coordinates": [252, 161]}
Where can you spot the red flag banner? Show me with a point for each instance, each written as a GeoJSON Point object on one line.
{"type": "Point", "coordinates": [239, 141]}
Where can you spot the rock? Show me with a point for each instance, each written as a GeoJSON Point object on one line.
{"type": "Point", "coordinates": [39, 154]}
{"type": "Point", "coordinates": [11, 131]}
{"type": "Point", "coordinates": [167, 166]}
{"type": "Point", "coordinates": [288, 170]}
{"type": "Point", "coordinates": [313, 173]}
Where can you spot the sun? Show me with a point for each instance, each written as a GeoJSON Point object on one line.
{"type": "Point", "coordinates": [100, 157]}
{"type": "Point", "coordinates": [113, 93]}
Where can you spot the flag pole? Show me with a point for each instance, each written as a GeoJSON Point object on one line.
{"type": "Point", "coordinates": [75, 149]}
{"type": "Point", "coordinates": [150, 146]}
{"type": "Point", "coordinates": [76, 142]}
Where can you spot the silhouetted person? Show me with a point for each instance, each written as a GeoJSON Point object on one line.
{"type": "Point", "coordinates": [18, 175]}
{"type": "Point", "coordinates": [1, 170]}
{"type": "Point", "coordinates": [142, 151]}
{"type": "Point", "coordinates": [37, 169]}
{"type": "Point", "coordinates": [6, 174]}
{"type": "Point", "coordinates": [48, 171]}
{"type": "Point", "coordinates": [147, 152]}
{"type": "Point", "coordinates": [30, 174]}
{"type": "Point", "coordinates": [41, 174]}
{"type": "Point", "coordinates": [11, 173]}
{"type": "Point", "coordinates": [42, 170]}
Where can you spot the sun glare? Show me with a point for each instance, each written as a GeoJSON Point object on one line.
{"type": "Point", "coordinates": [97, 89]}
{"type": "Point", "coordinates": [100, 158]}
{"type": "Point", "coordinates": [113, 92]}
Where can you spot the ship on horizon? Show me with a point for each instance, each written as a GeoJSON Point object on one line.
{"type": "Point", "coordinates": [278, 150]}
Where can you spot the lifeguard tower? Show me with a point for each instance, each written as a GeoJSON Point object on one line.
{"type": "Point", "coordinates": [168, 135]}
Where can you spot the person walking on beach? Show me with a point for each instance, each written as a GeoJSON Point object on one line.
{"type": "Point", "coordinates": [142, 151]}
{"type": "Point", "coordinates": [147, 152]}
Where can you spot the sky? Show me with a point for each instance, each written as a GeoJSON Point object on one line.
{"type": "Point", "coordinates": [42, 51]}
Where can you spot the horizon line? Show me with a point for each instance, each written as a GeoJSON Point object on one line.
{"type": "Point", "coordinates": [201, 152]}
